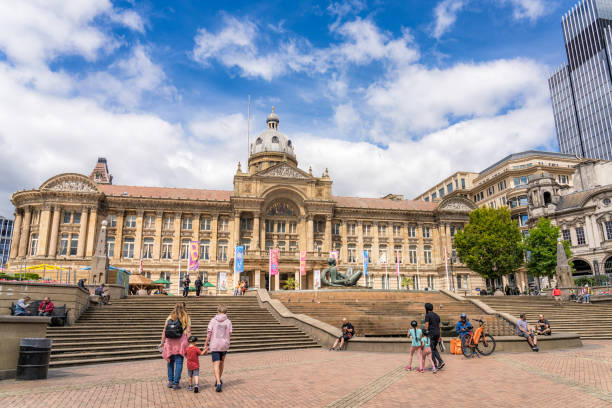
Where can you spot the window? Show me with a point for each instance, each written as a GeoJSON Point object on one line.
{"type": "Point", "coordinates": [130, 221]}
{"type": "Point", "coordinates": [67, 217]}
{"type": "Point", "coordinates": [167, 248]}
{"type": "Point", "coordinates": [456, 184]}
{"type": "Point", "coordinates": [523, 200]}
{"type": "Point", "coordinates": [411, 231]}
{"type": "Point", "coordinates": [293, 246]}
{"type": "Point", "coordinates": [462, 282]}
{"type": "Point", "coordinates": [501, 185]}
{"type": "Point", "coordinates": [223, 225]}
{"type": "Point", "coordinates": [281, 245]}
{"type": "Point", "coordinates": [580, 236]}
{"type": "Point", "coordinates": [449, 188]}
{"type": "Point", "coordinates": [441, 192]}
{"type": "Point", "coordinates": [426, 232]}
{"type": "Point", "coordinates": [367, 230]}
{"type": "Point", "coordinates": [370, 281]}
{"type": "Point", "coordinates": [382, 230]}
{"type": "Point", "coordinates": [128, 248]}
{"type": "Point", "coordinates": [222, 250]}
{"type": "Point", "coordinates": [111, 220]}
{"type": "Point", "coordinates": [110, 246]}
{"type": "Point", "coordinates": [185, 249]}
{"type": "Point", "coordinates": [430, 281]}
{"type": "Point", "coordinates": [336, 228]}
{"type": "Point", "coordinates": [147, 248]}
{"type": "Point", "coordinates": [204, 250]}
{"type": "Point", "coordinates": [351, 228]}
{"type": "Point", "coordinates": [318, 246]}
{"type": "Point", "coordinates": [397, 230]}
{"type": "Point", "coordinates": [434, 196]}
{"type": "Point", "coordinates": [187, 223]}
{"type": "Point", "coordinates": [149, 221]}
{"type": "Point", "coordinates": [246, 243]}
{"type": "Point", "coordinates": [397, 254]}
{"type": "Point", "coordinates": [168, 223]}
{"type": "Point", "coordinates": [412, 253]}
{"type": "Point", "coordinates": [427, 254]}
{"type": "Point", "coordinates": [337, 246]}
{"type": "Point", "coordinates": [293, 227]}
{"type": "Point", "coordinates": [490, 191]}
{"type": "Point", "coordinates": [567, 236]}
{"type": "Point", "coordinates": [562, 179]}
{"type": "Point", "coordinates": [33, 244]}
{"type": "Point", "coordinates": [453, 229]}
{"type": "Point", "coordinates": [352, 253]}
{"type": "Point", "coordinates": [64, 244]}
{"type": "Point", "coordinates": [74, 244]}
{"type": "Point", "coordinates": [269, 245]}
{"type": "Point", "coordinates": [608, 228]}
{"type": "Point", "coordinates": [524, 218]}
{"type": "Point", "coordinates": [246, 224]}
{"type": "Point", "coordinates": [427, 199]}
{"type": "Point", "coordinates": [382, 254]}
{"type": "Point", "coordinates": [385, 281]}
{"type": "Point", "coordinates": [76, 218]}
{"type": "Point", "coordinates": [280, 226]}
{"type": "Point", "coordinates": [269, 226]}
{"type": "Point", "coordinates": [368, 249]}
{"type": "Point", "coordinates": [205, 224]}
{"type": "Point", "coordinates": [319, 226]}
{"type": "Point", "coordinates": [517, 181]}
{"type": "Point", "coordinates": [463, 183]}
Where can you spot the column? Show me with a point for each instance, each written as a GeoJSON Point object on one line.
{"type": "Point", "coordinates": [214, 225]}
{"type": "Point", "coordinates": [296, 276]}
{"type": "Point", "coordinates": [257, 282]}
{"type": "Point", "coordinates": [16, 234]}
{"type": "Point", "coordinates": [310, 235]}
{"type": "Point", "coordinates": [54, 231]}
{"type": "Point", "coordinates": [138, 237]}
{"type": "Point", "coordinates": [327, 242]}
{"type": "Point", "coordinates": [375, 252]}
{"type": "Point", "coordinates": [176, 236]}
{"type": "Point", "coordinates": [91, 232]}
{"type": "Point", "coordinates": [255, 241]}
{"type": "Point", "coordinates": [235, 234]}
{"type": "Point", "coordinates": [119, 235]}
{"type": "Point", "coordinates": [43, 231]}
{"type": "Point", "coordinates": [303, 239]}
{"type": "Point", "coordinates": [25, 231]}
{"type": "Point", "coordinates": [276, 282]}
{"type": "Point", "coordinates": [82, 233]}
{"type": "Point", "coordinates": [158, 235]}
{"type": "Point", "coordinates": [344, 241]}
{"type": "Point", "coordinates": [262, 232]}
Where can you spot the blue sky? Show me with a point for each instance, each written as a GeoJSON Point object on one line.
{"type": "Point", "coordinates": [391, 96]}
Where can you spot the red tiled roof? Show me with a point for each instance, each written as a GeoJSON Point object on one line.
{"type": "Point", "coordinates": [385, 204]}
{"type": "Point", "coordinates": [165, 192]}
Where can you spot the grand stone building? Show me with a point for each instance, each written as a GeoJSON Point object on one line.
{"type": "Point", "coordinates": [274, 204]}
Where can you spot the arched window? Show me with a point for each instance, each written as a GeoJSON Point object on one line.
{"type": "Point", "coordinates": [274, 139]}
{"type": "Point", "coordinates": [289, 143]}
{"type": "Point", "coordinates": [281, 209]}
{"type": "Point", "coordinates": [608, 266]}
{"type": "Point", "coordinates": [259, 141]}
{"type": "Point", "coordinates": [547, 198]}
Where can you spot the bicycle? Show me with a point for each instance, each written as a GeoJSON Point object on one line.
{"type": "Point", "coordinates": [478, 342]}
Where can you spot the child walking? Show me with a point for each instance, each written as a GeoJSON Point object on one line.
{"type": "Point", "coordinates": [193, 354]}
{"type": "Point", "coordinates": [426, 352]}
{"type": "Point", "coordinates": [218, 335]}
{"type": "Point", "coordinates": [415, 336]}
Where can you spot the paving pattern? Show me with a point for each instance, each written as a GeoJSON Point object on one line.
{"type": "Point", "coordinates": [320, 378]}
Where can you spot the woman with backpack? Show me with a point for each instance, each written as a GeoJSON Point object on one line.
{"type": "Point", "coordinates": [177, 330]}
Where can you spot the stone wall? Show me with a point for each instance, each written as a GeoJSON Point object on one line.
{"type": "Point", "coordinates": [15, 328]}
{"type": "Point", "coordinates": [75, 298]}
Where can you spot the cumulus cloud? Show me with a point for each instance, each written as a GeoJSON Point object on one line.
{"type": "Point", "coordinates": [445, 15]}
{"type": "Point", "coordinates": [529, 9]}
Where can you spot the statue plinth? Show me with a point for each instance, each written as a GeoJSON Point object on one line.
{"type": "Point", "coordinates": [99, 262]}
{"type": "Point", "coordinates": [563, 271]}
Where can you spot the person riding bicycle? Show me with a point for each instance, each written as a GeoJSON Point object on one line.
{"type": "Point", "coordinates": [463, 326]}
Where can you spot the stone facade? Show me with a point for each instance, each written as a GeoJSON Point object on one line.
{"type": "Point", "coordinates": [274, 204]}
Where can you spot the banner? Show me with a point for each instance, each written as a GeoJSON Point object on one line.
{"type": "Point", "coordinates": [274, 261]}
{"type": "Point", "coordinates": [317, 279]}
{"type": "Point", "coordinates": [366, 261]}
{"type": "Point", "coordinates": [239, 259]}
{"type": "Point", "coordinates": [222, 281]}
{"type": "Point", "coordinates": [335, 255]}
{"type": "Point", "coordinates": [194, 255]}
{"type": "Point", "coordinates": [303, 263]}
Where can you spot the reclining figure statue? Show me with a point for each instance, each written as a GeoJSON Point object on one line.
{"type": "Point", "coordinates": [331, 276]}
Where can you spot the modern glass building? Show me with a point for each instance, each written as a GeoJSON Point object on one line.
{"type": "Point", "coordinates": [6, 232]}
{"type": "Point", "coordinates": [581, 91]}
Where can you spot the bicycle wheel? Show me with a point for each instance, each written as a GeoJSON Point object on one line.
{"type": "Point", "coordinates": [486, 345]}
{"type": "Point", "coordinates": [465, 346]}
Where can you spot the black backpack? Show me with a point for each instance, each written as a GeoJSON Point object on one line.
{"type": "Point", "coordinates": [174, 329]}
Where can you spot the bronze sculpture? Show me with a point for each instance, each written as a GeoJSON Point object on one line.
{"type": "Point", "coordinates": [331, 276]}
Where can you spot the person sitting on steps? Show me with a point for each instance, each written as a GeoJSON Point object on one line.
{"type": "Point", "coordinates": [543, 326]}
{"type": "Point", "coordinates": [523, 330]}
{"type": "Point", "coordinates": [348, 331]}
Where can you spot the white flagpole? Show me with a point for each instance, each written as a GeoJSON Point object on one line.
{"type": "Point", "coordinates": [179, 276]}
{"type": "Point", "coordinates": [417, 275]}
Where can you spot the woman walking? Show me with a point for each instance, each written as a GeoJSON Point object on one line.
{"type": "Point", "coordinates": [177, 330]}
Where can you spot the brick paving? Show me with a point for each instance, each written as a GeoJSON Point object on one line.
{"type": "Point", "coordinates": [319, 378]}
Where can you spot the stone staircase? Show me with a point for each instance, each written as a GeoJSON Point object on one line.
{"type": "Point", "coordinates": [590, 321]}
{"type": "Point", "coordinates": [386, 314]}
{"type": "Point", "coordinates": [130, 329]}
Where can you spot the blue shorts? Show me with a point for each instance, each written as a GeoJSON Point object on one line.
{"type": "Point", "coordinates": [218, 355]}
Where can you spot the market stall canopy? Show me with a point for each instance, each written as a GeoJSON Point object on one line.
{"type": "Point", "coordinates": [208, 285]}
{"type": "Point", "coordinates": [162, 282]}
{"type": "Point", "coordinates": [138, 280]}
{"type": "Point", "coordinates": [42, 267]}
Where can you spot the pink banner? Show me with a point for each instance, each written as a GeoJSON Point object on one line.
{"type": "Point", "coordinates": [194, 255]}
{"type": "Point", "coordinates": [274, 261]}
{"type": "Point", "coordinates": [303, 263]}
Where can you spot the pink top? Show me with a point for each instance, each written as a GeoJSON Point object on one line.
{"type": "Point", "coordinates": [176, 346]}
{"type": "Point", "coordinates": [219, 330]}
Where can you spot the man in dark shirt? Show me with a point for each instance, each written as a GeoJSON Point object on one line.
{"type": "Point", "coordinates": [543, 327]}
{"type": "Point", "coordinates": [432, 324]}
{"type": "Point", "coordinates": [82, 283]}
{"type": "Point", "coordinates": [186, 283]}
{"type": "Point", "coordinates": [348, 331]}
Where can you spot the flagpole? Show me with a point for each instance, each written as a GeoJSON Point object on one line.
{"type": "Point", "coordinates": [178, 291]}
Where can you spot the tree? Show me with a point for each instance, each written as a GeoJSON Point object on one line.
{"type": "Point", "coordinates": [290, 284]}
{"type": "Point", "coordinates": [491, 243]}
{"type": "Point", "coordinates": [541, 247]}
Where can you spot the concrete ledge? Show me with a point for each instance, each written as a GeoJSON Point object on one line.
{"type": "Point", "coordinates": [326, 334]}
{"type": "Point", "coordinates": [12, 330]}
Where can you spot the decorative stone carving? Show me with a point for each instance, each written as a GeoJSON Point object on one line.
{"type": "Point", "coordinates": [456, 206]}
{"type": "Point", "coordinates": [71, 185]}
{"type": "Point", "coordinates": [285, 171]}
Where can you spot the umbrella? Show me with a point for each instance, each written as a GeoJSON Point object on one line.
{"type": "Point", "coordinates": [41, 267]}
{"type": "Point", "coordinates": [208, 285]}
{"type": "Point", "coordinates": [138, 279]}
{"type": "Point", "coordinates": [111, 267]}
{"type": "Point", "coordinates": [162, 281]}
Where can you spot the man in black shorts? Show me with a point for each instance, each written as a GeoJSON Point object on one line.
{"type": "Point", "coordinates": [348, 331]}
{"type": "Point", "coordinates": [432, 323]}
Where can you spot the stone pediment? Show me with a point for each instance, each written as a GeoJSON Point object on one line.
{"type": "Point", "coordinates": [284, 170]}
{"type": "Point", "coordinates": [456, 204]}
{"type": "Point", "coordinates": [75, 183]}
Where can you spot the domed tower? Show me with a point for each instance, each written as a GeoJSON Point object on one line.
{"type": "Point", "coordinates": [271, 147]}
{"type": "Point", "coordinates": [543, 193]}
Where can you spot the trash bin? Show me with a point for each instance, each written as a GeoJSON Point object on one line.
{"type": "Point", "coordinates": [34, 357]}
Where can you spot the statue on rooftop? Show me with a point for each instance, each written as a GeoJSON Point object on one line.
{"type": "Point", "coordinates": [332, 277]}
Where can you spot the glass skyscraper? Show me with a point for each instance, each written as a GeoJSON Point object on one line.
{"type": "Point", "coordinates": [6, 232]}
{"type": "Point", "coordinates": [581, 91]}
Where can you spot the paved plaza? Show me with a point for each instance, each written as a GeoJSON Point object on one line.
{"type": "Point", "coordinates": [320, 378]}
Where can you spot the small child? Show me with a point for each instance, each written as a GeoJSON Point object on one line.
{"type": "Point", "coordinates": [415, 335]}
{"type": "Point", "coordinates": [193, 363]}
{"type": "Point", "coordinates": [426, 352]}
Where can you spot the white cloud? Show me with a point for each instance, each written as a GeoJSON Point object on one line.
{"type": "Point", "coordinates": [446, 14]}
{"type": "Point", "coordinates": [529, 9]}
{"type": "Point", "coordinates": [128, 18]}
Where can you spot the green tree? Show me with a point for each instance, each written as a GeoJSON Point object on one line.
{"type": "Point", "coordinates": [491, 243]}
{"type": "Point", "coordinates": [290, 284]}
{"type": "Point", "coordinates": [541, 248]}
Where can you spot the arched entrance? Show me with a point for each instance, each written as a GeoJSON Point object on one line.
{"type": "Point", "coordinates": [608, 266]}
{"type": "Point", "coordinates": [582, 268]}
